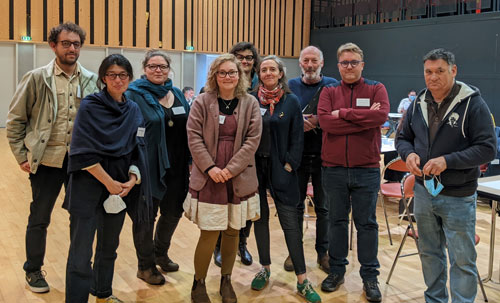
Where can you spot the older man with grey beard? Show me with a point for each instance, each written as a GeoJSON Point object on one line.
{"type": "Point", "coordinates": [308, 87]}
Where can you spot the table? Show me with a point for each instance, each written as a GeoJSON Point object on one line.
{"type": "Point", "coordinates": [387, 145]}
{"type": "Point", "coordinates": [489, 187]}
{"type": "Point", "coordinates": [393, 119]}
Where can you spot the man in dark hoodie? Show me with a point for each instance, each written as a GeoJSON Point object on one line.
{"type": "Point", "coordinates": [447, 134]}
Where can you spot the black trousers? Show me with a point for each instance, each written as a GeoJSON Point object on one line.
{"type": "Point", "coordinates": [46, 185]}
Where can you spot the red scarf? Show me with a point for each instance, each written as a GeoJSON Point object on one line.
{"type": "Point", "coordinates": [271, 97]}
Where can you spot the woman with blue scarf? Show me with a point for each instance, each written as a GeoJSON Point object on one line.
{"type": "Point", "coordinates": [165, 111]}
{"type": "Point", "coordinates": [106, 159]}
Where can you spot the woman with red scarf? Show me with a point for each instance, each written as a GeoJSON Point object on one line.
{"type": "Point", "coordinates": [277, 160]}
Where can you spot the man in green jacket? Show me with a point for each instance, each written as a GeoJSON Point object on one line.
{"type": "Point", "coordinates": [39, 127]}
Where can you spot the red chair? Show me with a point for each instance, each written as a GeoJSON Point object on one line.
{"type": "Point", "coordinates": [393, 190]}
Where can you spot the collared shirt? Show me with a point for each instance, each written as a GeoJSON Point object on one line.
{"type": "Point", "coordinates": [68, 100]}
{"type": "Point", "coordinates": [436, 111]}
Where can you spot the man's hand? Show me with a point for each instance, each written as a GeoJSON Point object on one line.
{"type": "Point", "coordinates": [25, 166]}
{"type": "Point", "coordinates": [375, 106]}
{"type": "Point", "coordinates": [413, 164]}
{"type": "Point", "coordinates": [435, 166]}
{"type": "Point", "coordinates": [310, 122]}
{"type": "Point", "coordinates": [335, 114]}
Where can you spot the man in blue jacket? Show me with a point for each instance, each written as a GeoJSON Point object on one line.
{"type": "Point", "coordinates": [446, 135]}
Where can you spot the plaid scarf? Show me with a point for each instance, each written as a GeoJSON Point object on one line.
{"type": "Point", "coordinates": [271, 97]}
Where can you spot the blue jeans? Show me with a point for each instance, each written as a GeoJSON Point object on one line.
{"type": "Point", "coordinates": [357, 188]}
{"type": "Point", "coordinates": [311, 166]}
{"type": "Point", "coordinates": [446, 221]}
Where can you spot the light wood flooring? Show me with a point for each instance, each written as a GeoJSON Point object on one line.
{"type": "Point", "coordinates": [15, 195]}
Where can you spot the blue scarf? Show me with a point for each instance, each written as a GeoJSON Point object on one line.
{"type": "Point", "coordinates": [150, 91]}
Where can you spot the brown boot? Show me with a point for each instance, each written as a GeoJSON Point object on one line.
{"type": "Point", "coordinates": [199, 292]}
{"type": "Point", "coordinates": [226, 290]}
{"type": "Point", "coordinates": [151, 276]}
{"type": "Point", "coordinates": [324, 263]}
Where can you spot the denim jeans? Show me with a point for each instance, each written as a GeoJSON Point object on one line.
{"type": "Point", "coordinates": [288, 217]}
{"type": "Point", "coordinates": [46, 184]}
{"type": "Point", "coordinates": [310, 166]}
{"type": "Point", "coordinates": [446, 221]}
{"type": "Point", "coordinates": [357, 188]}
{"type": "Point", "coordinates": [81, 279]}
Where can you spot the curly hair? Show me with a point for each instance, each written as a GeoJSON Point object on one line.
{"type": "Point", "coordinates": [212, 86]}
{"type": "Point", "coordinates": [242, 46]}
{"type": "Point", "coordinates": [69, 27]}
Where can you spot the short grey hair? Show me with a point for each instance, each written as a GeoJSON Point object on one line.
{"type": "Point", "coordinates": [440, 53]}
{"type": "Point", "coordinates": [311, 47]}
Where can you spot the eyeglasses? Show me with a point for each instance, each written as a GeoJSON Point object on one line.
{"type": "Point", "coordinates": [241, 57]}
{"type": "Point", "coordinates": [154, 67]}
{"type": "Point", "coordinates": [113, 76]}
{"type": "Point", "coordinates": [353, 63]}
{"type": "Point", "coordinates": [223, 74]}
{"type": "Point", "coordinates": [67, 44]}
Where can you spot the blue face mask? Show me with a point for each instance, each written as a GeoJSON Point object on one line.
{"type": "Point", "coordinates": [412, 98]}
{"type": "Point", "coordinates": [433, 190]}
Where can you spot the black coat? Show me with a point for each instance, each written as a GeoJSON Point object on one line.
{"type": "Point", "coordinates": [286, 129]}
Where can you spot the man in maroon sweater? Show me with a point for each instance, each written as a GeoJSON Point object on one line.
{"type": "Point", "coordinates": [350, 114]}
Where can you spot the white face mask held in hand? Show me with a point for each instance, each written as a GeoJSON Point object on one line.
{"type": "Point", "coordinates": [114, 204]}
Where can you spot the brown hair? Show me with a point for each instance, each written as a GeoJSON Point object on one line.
{"type": "Point", "coordinates": [349, 47]}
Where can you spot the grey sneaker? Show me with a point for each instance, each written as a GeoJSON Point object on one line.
{"type": "Point", "coordinates": [36, 281]}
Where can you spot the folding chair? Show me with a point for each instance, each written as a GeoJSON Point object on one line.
{"type": "Point", "coordinates": [309, 199]}
{"type": "Point", "coordinates": [392, 190]}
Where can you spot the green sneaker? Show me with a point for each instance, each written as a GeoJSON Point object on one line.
{"type": "Point", "coordinates": [307, 291]}
{"type": "Point", "coordinates": [261, 279]}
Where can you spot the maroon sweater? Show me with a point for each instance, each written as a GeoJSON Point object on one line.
{"type": "Point", "coordinates": [353, 139]}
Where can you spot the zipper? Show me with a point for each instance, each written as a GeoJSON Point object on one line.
{"type": "Point", "coordinates": [347, 136]}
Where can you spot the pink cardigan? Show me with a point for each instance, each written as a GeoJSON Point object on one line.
{"type": "Point", "coordinates": [203, 136]}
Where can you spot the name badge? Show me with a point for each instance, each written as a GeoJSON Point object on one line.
{"type": "Point", "coordinates": [222, 119]}
{"type": "Point", "coordinates": [141, 131]}
{"type": "Point", "coordinates": [178, 110]}
{"type": "Point", "coordinates": [362, 101]}
{"type": "Point", "coordinates": [78, 92]}
{"type": "Point", "coordinates": [263, 111]}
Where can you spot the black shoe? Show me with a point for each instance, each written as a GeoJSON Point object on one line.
{"type": "Point", "coordinates": [217, 257]}
{"type": "Point", "coordinates": [332, 282]}
{"type": "Point", "coordinates": [166, 264]}
{"type": "Point", "coordinates": [372, 292]}
{"type": "Point", "coordinates": [36, 281]}
{"type": "Point", "coordinates": [246, 257]}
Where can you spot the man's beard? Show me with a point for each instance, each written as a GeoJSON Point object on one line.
{"type": "Point", "coordinates": [314, 76]}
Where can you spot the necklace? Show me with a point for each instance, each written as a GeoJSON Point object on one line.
{"type": "Point", "coordinates": [227, 104]}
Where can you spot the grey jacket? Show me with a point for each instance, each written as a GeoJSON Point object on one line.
{"type": "Point", "coordinates": [33, 110]}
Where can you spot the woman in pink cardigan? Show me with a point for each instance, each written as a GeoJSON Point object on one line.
{"type": "Point", "coordinates": [224, 129]}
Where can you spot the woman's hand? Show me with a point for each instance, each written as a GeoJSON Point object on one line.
{"type": "Point", "coordinates": [114, 187]}
{"type": "Point", "coordinates": [127, 186]}
{"type": "Point", "coordinates": [214, 173]}
{"type": "Point", "coordinates": [225, 174]}
{"type": "Point", "coordinates": [288, 167]}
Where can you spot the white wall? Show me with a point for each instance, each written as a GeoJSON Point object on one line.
{"type": "Point", "coordinates": [91, 57]}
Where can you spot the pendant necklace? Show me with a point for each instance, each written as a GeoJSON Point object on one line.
{"type": "Point", "coordinates": [227, 104]}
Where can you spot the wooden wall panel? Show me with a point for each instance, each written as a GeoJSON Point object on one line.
{"type": "Point", "coordinates": [140, 23]}
{"type": "Point", "coordinates": [179, 24]}
{"type": "Point", "coordinates": [52, 13]}
{"type": "Point", "coordinates": [128, 24]}
{"type": "Point", "coordinates": [288, 27]}
{"type": "Point", "coordinates": [273, 26]}
{"type": "Point", "coordinates": [167, 24]}
{"type": "Point", "coordinates": [84, 17]}
{"type": "Point", "coordinates": [68, 10]}
{"type": "Point", "coordinates": [154, 20]}
{"type": "Point", "coordinates": [4, 20]}
{"type": "Point", "coordinates": [297, 28]}
{"type": "Point", "coordinates": [99, 22]}
{"type": "Point", "coordinates": [19, 19]}
{"type": "Point", "coordinates": [36, 21]}
{"type": "Point", "coordinates": [113, 22]}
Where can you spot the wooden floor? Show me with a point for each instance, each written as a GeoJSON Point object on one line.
{"type": "Point", "coordinates": [406, 284]}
